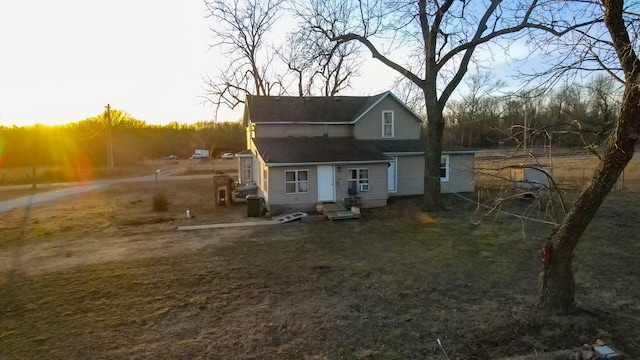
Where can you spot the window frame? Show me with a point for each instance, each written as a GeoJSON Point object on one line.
{"type": "Point", "coordinates": [446, 160]}
{"type": "Point", "coordinates": [384, 125]}
{"type": "Point", "coordinates": [243, 160]}
{"type": "Point", "coordinates": [358, 180]}
{"type": "Point", "coordinates": [296, 181]}
{"type": "Point", "coordinates": [265, 179]}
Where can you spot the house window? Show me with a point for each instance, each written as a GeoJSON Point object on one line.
{"type": "Point", "coordinates": [245, 166]}
{"type": "Point", "coordinates": [265, 179]}
{"type": "Point", "coordinates": [444, 168]}
{"type": "Point", "coordinates": [296, 181]}
{"type": "Point", "coordinates": [387, 124]}
{"type": "Point", "coordinates": [358, 180]}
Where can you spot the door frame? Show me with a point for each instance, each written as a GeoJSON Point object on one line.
{"type": "Point", "coordinates": [395, 175]}
{"type": "Point", "coordinates": [332, 184]}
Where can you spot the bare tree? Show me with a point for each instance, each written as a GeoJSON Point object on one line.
{"type": "Point", "coordinates": [318, 65]}
{"type": "Point", "coordinates": [477, 109]}
{"type": "Point", "coordinates": [239, 30]}
{"type": "Point", "coordinates": [557, 289]}
{"type": "Point", "coordinates": [443, 34]}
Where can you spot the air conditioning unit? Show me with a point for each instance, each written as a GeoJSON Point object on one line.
{"type": "Point", "coordinates": [364, 187]}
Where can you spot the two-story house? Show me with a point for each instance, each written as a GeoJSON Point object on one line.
{"type": "Point", "coordinates": [307, 150]}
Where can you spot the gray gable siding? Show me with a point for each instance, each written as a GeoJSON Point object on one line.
{"type": "Point", "coordinates": [369, 127]}
{"type": "Point", "coordinates": [311, 130]}
{"type": "Point", "coordinates": [461, 174]}
{"type": "Point", "coordinates": [410, 170]}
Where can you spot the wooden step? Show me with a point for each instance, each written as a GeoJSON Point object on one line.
{"type": "Point", "coordinates": [342, 215]}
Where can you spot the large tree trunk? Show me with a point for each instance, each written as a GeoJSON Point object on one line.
{"type": "Point", "coordinates": [435, 127]}
{"type": "Point", "coordinates": [556, 291]}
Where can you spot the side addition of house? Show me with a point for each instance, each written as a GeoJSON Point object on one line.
{"type": "Point", "coordinates": [306, 150]}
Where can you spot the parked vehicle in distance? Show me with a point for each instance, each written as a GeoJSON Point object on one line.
{"type": "Point", "coordinates": [172, 157]}
{"type": "Point", "coordinates": [200, 154]}
{"type": "Point", "coordinates": [228, 156]}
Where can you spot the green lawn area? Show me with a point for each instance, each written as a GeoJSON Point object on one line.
{"type": "Point", "coordinates": [381, 287]}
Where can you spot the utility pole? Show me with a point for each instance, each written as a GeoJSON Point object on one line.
{"type": "Point", "coordinates": [110, 140]}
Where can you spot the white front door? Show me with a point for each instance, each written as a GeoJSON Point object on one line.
{"type": "Point", "coordinates": [325, 183]}
{"type": "Point", "coordinates": [392, 179]}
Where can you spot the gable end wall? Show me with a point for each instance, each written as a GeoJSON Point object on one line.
{"type": "Point", "coordinates": [369, 127]}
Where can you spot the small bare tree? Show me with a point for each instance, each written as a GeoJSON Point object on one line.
{"type": "Point", "coordinates": [318, 65]}
{"type": "Point", "coordinates": [240, 30]}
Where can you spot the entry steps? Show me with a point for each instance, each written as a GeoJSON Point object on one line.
{"type": "Point", "coordinates": [334, 211]}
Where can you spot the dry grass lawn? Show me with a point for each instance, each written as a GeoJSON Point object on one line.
{"type": "Point", "coordinates": [100, 275]}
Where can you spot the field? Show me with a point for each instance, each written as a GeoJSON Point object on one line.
{"type": "Point", "coordinates": [46, 175]}
{"type": "Point", "coordinates": [571, 169]}
{"type": "Point", "coordinates": [100, 275]}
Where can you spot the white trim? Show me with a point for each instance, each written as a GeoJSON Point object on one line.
{"type": "Point", "coordinates": [303, 123]}
{"type": "Point", "coordinates": [340, 163]}
{"type": "Point", "coordinates": [243, 162]}
{"type": "Point", "coordinates": [461, 151]}
{"type": "Point", "coordinates": [358, 179]}
{"type": "Point", "coordinates": [333, 182]}
{"type": "Point", "coordinates": [395, 177]}
{"type": "Point", "coordinates": [447, 168]}
{"type": "Point", "coordinates": [395, 154]}
{"type": "Point", "coordinates": [265, 179]}
{"type": "Point", "coordinates": [296, 171]}
{"type": "Point", "coordinates": [392, 124]}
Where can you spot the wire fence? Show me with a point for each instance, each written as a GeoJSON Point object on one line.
{"type": "Point", "coordinates": [570, 169]}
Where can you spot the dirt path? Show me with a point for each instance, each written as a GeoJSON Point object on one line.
{"type": "Point", "coordinates": [110, 222]}
{"type": "Point", "coordinates": [60, 190]}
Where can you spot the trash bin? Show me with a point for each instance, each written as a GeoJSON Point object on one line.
{"type": "Point", "coordinates": [253, 206]}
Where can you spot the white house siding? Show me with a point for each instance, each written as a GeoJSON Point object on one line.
{"type": "Point", "coordinates": [410, 175]}
{"type": "Point", "coordinates": [377, 194]}
{"type": "Point", "coordinates": [280, 202]}
{"type": "Point", "coordinates": [461, 177]}
{"type": "Point", "coordinates": [370, 125]}
{"type": "Point", "coordinates": [285, 130]}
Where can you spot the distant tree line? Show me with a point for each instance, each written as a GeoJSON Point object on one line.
{"type": "Point", "coordinates": [575, 115]}
{"type": "Point", "coordinates": [86, 143]}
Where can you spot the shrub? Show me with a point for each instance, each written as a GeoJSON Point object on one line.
{"type": "Point", "coordinates": [160, 202]}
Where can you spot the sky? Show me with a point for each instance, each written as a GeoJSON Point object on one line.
{"type": "Point", "coordinates": [63, 61]}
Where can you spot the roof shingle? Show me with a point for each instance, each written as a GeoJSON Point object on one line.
{"type": "Point", "coordinates": [336, 109]}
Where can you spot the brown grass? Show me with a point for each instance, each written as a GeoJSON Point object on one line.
{"type": "Point", "coordinates": [100, 275]}
{"type": "Point", "coordinates": [570, 171]}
